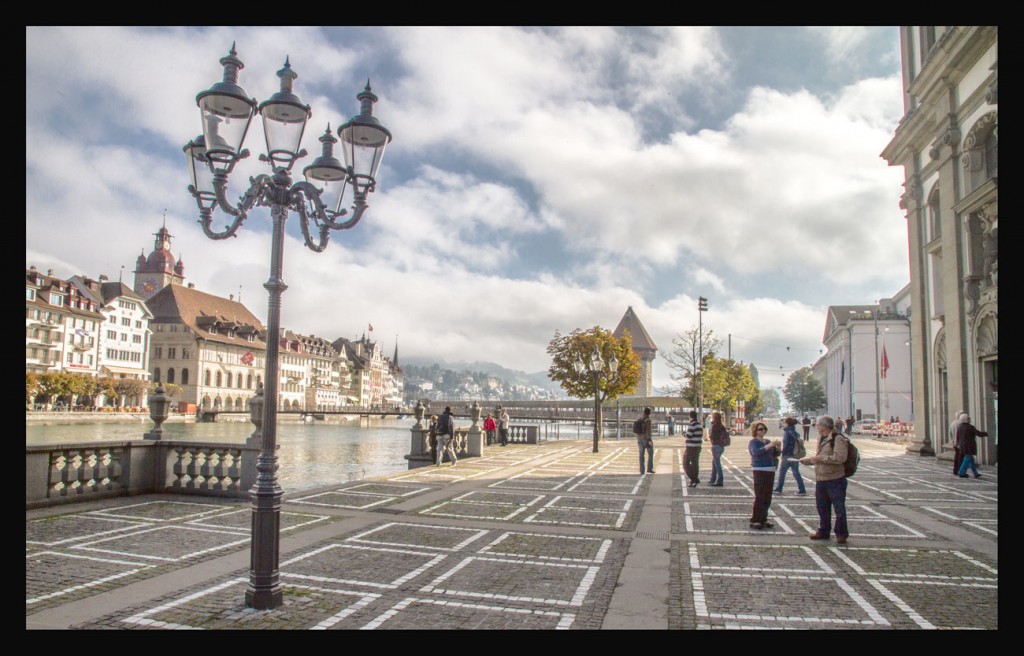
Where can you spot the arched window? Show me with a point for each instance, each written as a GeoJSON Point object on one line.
{"type": "Point", "coordinates": [980, 152]}
{"type": "Point", "coordinates": [248, 382]}
{"type": "Point", "coordinates": [934, 216]}
{"type": "Point", "coordinates": [170, 375]}
{"type": "Point", "coordinates": [206, 378]}
{"type": "Point", "coordinates": [220, 379]}
{"type": "Point", "coordinates": [227, 383]}
{"type": "Point", "coordinates": [184, 376]}
{"type": "Point", "coordinates": [156, 375]}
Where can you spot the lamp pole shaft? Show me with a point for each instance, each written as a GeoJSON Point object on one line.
{"type": "Point", "coordinates": [264, 589]}
{"type": "Point", "coordinates": [878, 396]}
{"type": "Point", "coordinates": [597, 412]}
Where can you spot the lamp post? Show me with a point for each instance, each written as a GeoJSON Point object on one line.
{"type": "Point", "coordinates": [226, 112]}
{"type": "Point", "coordinates": [878, 395]}
{"type": "Point", "coordinates": [596, 369]}
{"type": "Point", "coordinates": [702, 307]}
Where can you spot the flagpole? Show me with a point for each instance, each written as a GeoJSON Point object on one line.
{"type": "Point", "coordinates": [878, 399]}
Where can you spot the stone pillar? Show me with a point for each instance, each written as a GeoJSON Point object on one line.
{"type": "Point", "coordinates": [419, 449]}
{"type": "Point", "coordinates": [159, 407]}
{"type": "Point", "coordinates": [475, 436]}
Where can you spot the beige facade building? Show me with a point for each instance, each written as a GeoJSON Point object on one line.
{"type": "Point", "coordinates": [947, 144]}
{"type": "Point", "coordinates": [61, 326]}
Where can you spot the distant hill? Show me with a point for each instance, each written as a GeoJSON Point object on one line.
{"type": "Point", "coordinates": [540, 378]}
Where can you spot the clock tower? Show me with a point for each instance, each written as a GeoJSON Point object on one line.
{"type": "Point", "coordinates": [160, 269]}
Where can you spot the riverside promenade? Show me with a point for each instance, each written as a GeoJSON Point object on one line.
{"type": "Point", "coordinates": [548, 536]}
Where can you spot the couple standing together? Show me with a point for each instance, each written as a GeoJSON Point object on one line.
{"type": "Point", "coordinates": [501, 427]}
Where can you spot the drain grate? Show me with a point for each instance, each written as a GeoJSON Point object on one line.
{"type": "Point", "coordinates": [651, 535]}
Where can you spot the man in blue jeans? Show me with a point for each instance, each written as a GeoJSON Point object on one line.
{"type": "Point", "coordinates": [830, 480]}
{"type": "Point", "coordinates": [645, 443]}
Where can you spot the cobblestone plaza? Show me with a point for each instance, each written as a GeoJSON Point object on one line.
{"type": "Point", "coordinates": [537, 537]}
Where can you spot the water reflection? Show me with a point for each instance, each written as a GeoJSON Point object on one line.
{"type": "Point", "coordinates": [309, 455]}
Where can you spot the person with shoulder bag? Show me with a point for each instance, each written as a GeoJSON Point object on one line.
{"type": "Point", "coordinates": [719, 440]}
{"type": "Point", "coordinates": [830, 480]}
{"type": "Point", "coordinates": [645, 442]}
{"type": "Point", "coordinates": [791, 445]}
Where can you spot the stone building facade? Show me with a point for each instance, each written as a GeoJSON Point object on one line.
{"type": "Point", "coordinates": [947, 144]}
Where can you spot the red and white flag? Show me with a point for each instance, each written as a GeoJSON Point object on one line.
{"type": "Point", "coordinates": [885, 361]}
{"type": "Point", "coordinates": [370, 326]}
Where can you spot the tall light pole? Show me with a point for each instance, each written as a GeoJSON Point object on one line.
{"type": "Point", "coordinates": [596, 370]}
{"type": "Point", "coordinates": [702, 307]}
{"type": "Point", "coordinates": [226, 112]}
{"type": "Point", "coordinates": [878, 395]}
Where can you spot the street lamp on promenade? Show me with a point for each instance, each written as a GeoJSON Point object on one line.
{"type": "Point", "coordinates": [597, 370]}
{"type": "Point", "coordinates": [226, 112]}
{"type": "Point", "coordinates": [702, 307]}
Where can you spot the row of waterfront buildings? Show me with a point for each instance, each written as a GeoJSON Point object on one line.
{"type": "Point", "coordinates": [162, 330]}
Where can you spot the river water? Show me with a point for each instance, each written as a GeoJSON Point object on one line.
{"type": "Point", "coordinates": [308, 456]}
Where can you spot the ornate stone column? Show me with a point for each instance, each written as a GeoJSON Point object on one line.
{"type": "Point", "coordinates": [419, 450]}
{"type": "Point", "coordinates": [475, 436]}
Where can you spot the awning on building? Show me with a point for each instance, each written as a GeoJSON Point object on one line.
{"type": "Point", "coordinates": [135, 373]}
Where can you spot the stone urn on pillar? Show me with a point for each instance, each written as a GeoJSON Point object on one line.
{"type": "Point", "coordinates": [475, 436]}
{"type": "Point", "coordinates": [256, 417]}
{"type": "Point", "coordinates": [419, 452]}
{"type": "Point", "coordinates": [159, 410]}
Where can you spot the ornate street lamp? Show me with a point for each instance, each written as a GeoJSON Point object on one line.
{"type": "Point", "coordinates": [596, 369]}
{"type": "Point", "coordinates": [226, 112]}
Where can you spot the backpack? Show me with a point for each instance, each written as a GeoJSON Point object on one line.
{"type": "Point", "coordinates": [442, 424]}
{"type": "Point", "coordinates": [852, 458]}
{"type": "Point", "coordinates": [638, 426]}
{"type": "Point", "coordinates": [799, 449]}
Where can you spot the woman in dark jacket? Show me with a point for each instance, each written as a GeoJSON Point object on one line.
{"type": "Point", "coordinates": [966, 435]}
{"type": "Point", "coordinates": [788, 460]}
{"type": "Point", "coordinates": [719, 440]}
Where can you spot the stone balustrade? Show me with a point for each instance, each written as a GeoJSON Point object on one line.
{"type": "Point", "coordinates": [56, 474]}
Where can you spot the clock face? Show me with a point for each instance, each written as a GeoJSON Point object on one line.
{"type": "Point", "coordinates": [149, 285]}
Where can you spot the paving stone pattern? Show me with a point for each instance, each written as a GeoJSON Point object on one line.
{"type": "Point", "coordinates": [537, 537]}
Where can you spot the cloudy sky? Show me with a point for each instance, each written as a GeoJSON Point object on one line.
{"type": "Point", "coordinates": [539, 179]}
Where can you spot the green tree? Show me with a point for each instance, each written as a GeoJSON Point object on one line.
{"type": "Point", "coordinates": [564, 351]}
{"type": "Point", "coordinates": [771, 400]}
{"type": "Point", "coordinates": [726, 382]}
{"type": "Point", "coordinates": [682, 360]}
{"type": "Point", "coordinates": [804, 392]}
{"type": "Point", "coordinates": [753, 404]}
{"type": "Point", "coordinates": [31, 387]}
{"type": "Point", "coordinates": [580, 344]}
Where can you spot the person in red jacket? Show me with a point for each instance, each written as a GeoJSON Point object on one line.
{"type": "Point", "coordinates": [490, 427]}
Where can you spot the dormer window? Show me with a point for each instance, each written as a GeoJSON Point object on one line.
{"type": "Point", "coordinates": [30, 294]}
{"type": "Point", "coordinates": [56, 299]}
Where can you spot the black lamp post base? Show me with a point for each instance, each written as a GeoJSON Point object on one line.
{"type": "Point", "coordinates": [264, 599]}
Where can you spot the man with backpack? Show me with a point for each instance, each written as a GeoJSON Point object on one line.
{"type": "Point", "coordinates": [446, 437]}
{"type": "Point", "coordinates": [642, 430]}
{"type": "Point", "coordinates": [807, 426]}
{"type": "Point", "coordinates": [830, 480]}
{"type": "Point", "coordinates": [691, 451]}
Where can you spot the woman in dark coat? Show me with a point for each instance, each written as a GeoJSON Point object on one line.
{"type": "Point", "coordinates": [966, 435]}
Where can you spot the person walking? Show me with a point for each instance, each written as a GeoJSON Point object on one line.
{"type": "Point", "coordinates": [849, 425]}
{"type": "Point", "coordinates": [503, 422]}
{"type": "Point", "coordinates": [432, 438]}
{"type": "Point", "coordinates": [839, 426]}
{"type": "Point", "coordinates": [491, 428]}
{"type": "Point", "coordinates": [762, 463]}
{"type": "Point", "coordinates": [719, 438]}
{"type": "Point", "coordinates": [446, 437]}
{"type": "Point", "coordinates": [671, 425]}
{"type": "Point", "coordinates": [645, 442]}
{"type": "Point", "coordinates": [807, 426]}
{"type": "Point", "coordinates": [958, 456]}
{"type": "Point", "coordinates": [788, 460]}
{"type": "Point", "coordinates": [691, 454]}
{"type": "Point", "coordinates": [830, 480]}
{"type": "Point", "coordinates": [966, 437]}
